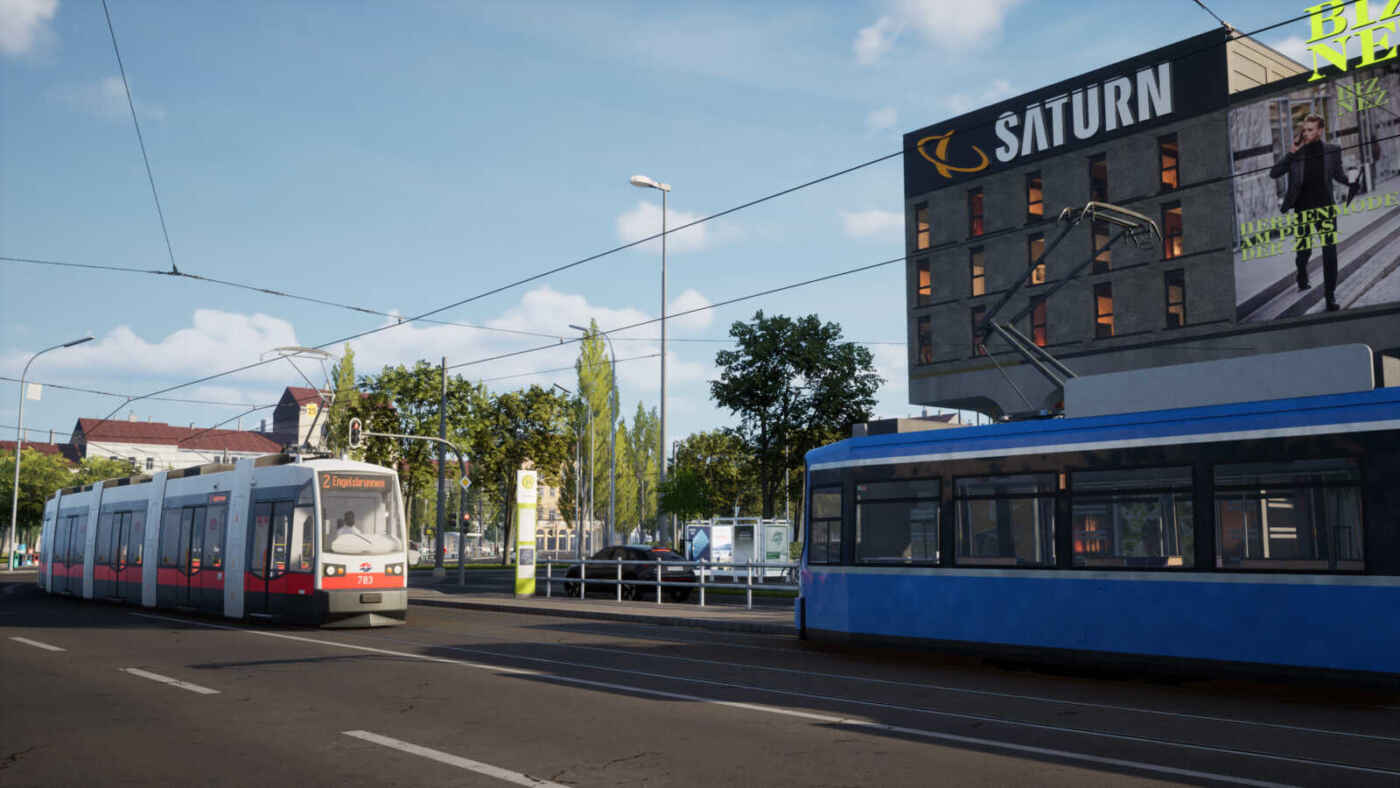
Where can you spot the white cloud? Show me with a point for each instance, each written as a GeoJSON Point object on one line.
{"type": "Point", "coordinates": [949, 24]}
{"type": "Point", "coordinates": [958, 103]}
{"type": "Point", "coordinates": [873, 42]}
{"type": "Point", "coordinates": [644, 220]}
{"type": "Point", "coordinates": [875, 222]}
{"type": "Point", "coordinates": [1294, 47]}
{"type": "Point", "coordinates": [881, 119]}
{"type": "Point", "coordinates": [105, 99]}
{"type": "Point", "coordinates": [23, 23]}
{"type": "Point", "coordinates": [690, 299]}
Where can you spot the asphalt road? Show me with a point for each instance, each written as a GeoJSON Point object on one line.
{"type": "Point", "coordinates": [460, 697]}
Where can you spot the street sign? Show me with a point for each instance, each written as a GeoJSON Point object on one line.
{"type": "Point", "coordinates": [34, 391]}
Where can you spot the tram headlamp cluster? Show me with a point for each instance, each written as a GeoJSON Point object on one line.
{"type": "Point", "coordinates": [334, 570]}
{"type": "Point", "coordinates": [394, 569]}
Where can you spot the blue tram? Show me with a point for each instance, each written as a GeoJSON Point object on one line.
{"type": "Point", "coordinates": [1256, 535]}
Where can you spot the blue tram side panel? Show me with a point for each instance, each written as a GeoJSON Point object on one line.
{"type": "Point", "coordinates": [1333, 614]}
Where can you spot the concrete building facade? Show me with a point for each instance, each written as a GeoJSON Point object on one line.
{"type": "Point", "coordinates": [1183, 135]}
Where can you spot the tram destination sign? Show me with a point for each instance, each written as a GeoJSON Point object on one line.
{"type": "Point", "coordinates": [354, 481]}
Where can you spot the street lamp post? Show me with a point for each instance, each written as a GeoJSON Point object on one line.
{"type": "Point", "coordinates": [643, 182]}
{"type": "Point", "coordinates": [612, 431]}
{"type": "Point", "coordinates": [19, 440]}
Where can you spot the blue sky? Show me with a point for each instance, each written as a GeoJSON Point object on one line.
{"type": "Point", "coordinates": [402, 156]}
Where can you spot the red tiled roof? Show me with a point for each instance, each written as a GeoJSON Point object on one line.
{"type": "Point", "coordinates": [68, 451]}
{"type": "Point", "coordinates": [154, 432]}
{"type": "Point", "coordinates": [301, 395]}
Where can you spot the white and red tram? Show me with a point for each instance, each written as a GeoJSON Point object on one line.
{"type": "Point", "coordinates": [317, 541]}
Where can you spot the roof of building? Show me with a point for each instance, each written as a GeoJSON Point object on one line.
{"type": "Point", "coordinates": [68, 451]}
{"type": "Point", "coordinates": [154, 432]}
{"type": "Point", "coordinates": [302, 395]}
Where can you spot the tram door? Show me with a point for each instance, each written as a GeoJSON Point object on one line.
{"type": "Point", "coordinates": [191, 555]}
{"type": "Point", "coordinates": [267, 557]}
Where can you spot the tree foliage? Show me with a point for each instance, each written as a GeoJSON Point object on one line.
{"type": "Point", "coordinates": [795, 386]}
{"type": "Point", "coordinates": [641, 451]}
{"type": "Point", "coordinates": [40, 475]}
{"type": "Point", "coordinates": [685, 495]}
{"type": "Point", "coordinates": [346, 398]}
{"type": "Point", "coordinates": [721, 462]}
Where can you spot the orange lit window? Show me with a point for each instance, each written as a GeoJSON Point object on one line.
{"type": "Point", "coordinates": [1169, 152]}
{"type": "Point", "coordinates": [1035, 247]}
{"type": "Point", "coordinates": [921, 227]}
{"type": "Point", "coordinates": [1039, 327]}
{"type": "Point", "coordinates": [925, 340]}
{"type": "Point", "coordinates": [1035, 197]}
{"type": "Point", "coordinates": [1171, 230]}
{"type": "Point", "coordinates": [924, 294]}
{"type": "Point", "coordinates": [1176, 298]}
{"type": "Point", "coordinates": [974, 212]}
{"type": "Point", "coordinates": [1103, 310]}
{"type": "Point", "coordinates": [1103, 261]}
{"type": "Point", "coordinates": [978, 270]}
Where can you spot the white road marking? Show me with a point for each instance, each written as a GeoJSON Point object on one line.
{"type": "Point", "coordinates": [963, 690]}
{"type": "Point", "coordinates": [826, 719]}
{"type": "Point", "coordinates": [454, 760]}
{"type": "Point", "coordinates": [37, 644]}
{"type": "Point", "coordinates": [184, 685]}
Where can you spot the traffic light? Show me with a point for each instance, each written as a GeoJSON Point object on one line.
{"type": "Point", "coordinates": [355, 440]}
{"type": "Point", "coordinates": [466, 517]}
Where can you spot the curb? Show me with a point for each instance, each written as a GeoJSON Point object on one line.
{"type": "Point", "coordinates": [757, 627]}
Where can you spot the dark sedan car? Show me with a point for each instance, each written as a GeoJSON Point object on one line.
{"type": "Point", "coordinates": [642, 576]}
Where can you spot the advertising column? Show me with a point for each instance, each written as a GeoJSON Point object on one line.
{"type": "Point", "coordinates": [525, 497]}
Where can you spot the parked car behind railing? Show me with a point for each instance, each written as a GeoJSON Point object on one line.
{"type": "Point", "coordinates": [639, 569]}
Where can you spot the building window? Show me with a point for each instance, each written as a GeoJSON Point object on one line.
{"type": "Point", "coordinates": [1171, 230]}
{"type": "Point", "coordinates": [921, 229]}
{"type": "Point", "coordinates": [1035, 247]}
{"type": "Point", "coordinates": [924, 293]}
{"type": "Point", "coordinates": [924, 332]}
{"type": "Point", "coordinates": [1103, 260]}
{"type": "Point", "coordinates": [150, 463]}
{"type": "Point", "coordinates": [1098, 178]}
{"type": "Point", "coordinates": [1103, 310]}
{"type": "Point", "coordinates": [1006, 520]}
{"type": "Point", "coordinates": [976, 260]}
{"type": "Point", "coordinates": [824, 533]}
{"type": "Point", "coordinates": [1176, 298]}
{"type": "Point", "coordinates": [1304, 514]}
{"type": "Point", "coordinates": [897, 522]}
{"type": "Point", "coordinates": [1133, 518]}
{"type": "Point", "coordinates": [1168, 152]}
{"type": "Point", "coordinates": [1039, 321]}
{"type": "Point", "coordinates": [974, 212]}
{"type": "Point", "coordinates": [1035, 198]}
{"type": "Point", "coordinates": [979, 316]}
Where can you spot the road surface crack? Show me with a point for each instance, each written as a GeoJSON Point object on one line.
{"type": "Point", "coordinates": [12, 758]}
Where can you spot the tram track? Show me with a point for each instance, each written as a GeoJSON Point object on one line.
{"type": "Point", "coordinates": [931, 687]}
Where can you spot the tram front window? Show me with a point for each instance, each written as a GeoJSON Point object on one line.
{"type": "Point", "coordinates": [359, 515]}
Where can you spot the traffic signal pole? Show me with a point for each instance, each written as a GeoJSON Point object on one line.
{"type": "Point", "coordinates": [357, 436]}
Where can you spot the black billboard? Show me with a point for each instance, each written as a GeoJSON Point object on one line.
{"type": "Point", "coordinates": [1178, 81]}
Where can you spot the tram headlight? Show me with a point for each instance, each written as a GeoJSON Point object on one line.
{"type": "Point", "coordinates": [394, 569]}
{"type": "Point", "coordinates": [334, 570]}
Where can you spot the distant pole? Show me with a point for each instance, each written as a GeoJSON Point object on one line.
{"type": "Point", "coordinates": [19, 443]}
{"type": "Point", "coordinates": [439, 571]}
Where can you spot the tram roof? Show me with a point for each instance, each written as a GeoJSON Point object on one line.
{"type": "Point", "coordinates": [1378, 409]}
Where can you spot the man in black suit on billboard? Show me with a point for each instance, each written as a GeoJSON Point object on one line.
{"type": "Point", "coordinates": [1312, 166]}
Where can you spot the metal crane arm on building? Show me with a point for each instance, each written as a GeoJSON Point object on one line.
{"type": "Point", "coordinates": [1141, 231]}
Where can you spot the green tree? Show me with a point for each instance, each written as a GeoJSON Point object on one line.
{"type": "Point", "coordinates": [641, 449]}
{"type": "Point", "coordinates": [795, 386]}
{"type": "Point", "coordinates": [725, 468]}
{"type": "Point", "coordinates": [343, 405]}
{"type": "Point", "coordinates": [516, 427]}
{"type": "Point", "coordinates": [684, 494]}
{"type": "Point", "coordinates": [597, 391]}
{"type": "Point", "coordinates": [40, 476]}
{"type": "Point", "coordinates": [627, 511]}
{"type": "Point", "coordinates": [97, 469]}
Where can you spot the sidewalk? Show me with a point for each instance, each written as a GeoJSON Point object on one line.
{"type": "Point", "coordinates": [723, 618]}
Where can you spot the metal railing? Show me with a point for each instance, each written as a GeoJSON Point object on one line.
{"type": "Point", "coordinates": [788, 576]}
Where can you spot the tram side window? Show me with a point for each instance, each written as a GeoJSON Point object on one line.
{"type": "Point", "coordinates": [1139, 518]}
{"type": "Point", "coordinates": [281, 528]}
{"type": "Point", "coordinates": [1304, 514]}
{"type": "Point", "coordinates": [78, 545]}
{"type": "Point", "coordinates": [303, 549]}
{"type": "Point", "coordinates": [824, 533]}
{"type": "Point", "coordinates": [60, 540]}
{"type": "Point", "coordinates": [136, 542]}
{"type": "Point", "coordinates": [102, 553]}
{"type": "Point", "coordinates": [170, 538]}
{"type": "Point", "coordinates": [257, 557]}
{"type": "Point", "coordinates": [214, 537]}
{"type": "Point", "coordinates": [1006, 520]}
{"type": "Point", "coordinates": [897, 522]}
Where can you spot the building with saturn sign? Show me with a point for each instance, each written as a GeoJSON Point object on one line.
{"type": "Point", "coordinates": [1240, 206]}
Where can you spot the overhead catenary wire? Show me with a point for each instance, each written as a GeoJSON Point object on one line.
{"type": "Point", "coordinates": [129, 397]}
{"type": "Point", "coordinates": [613, 250]}
{"type": "Point", "coordinates": [140, 139]}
